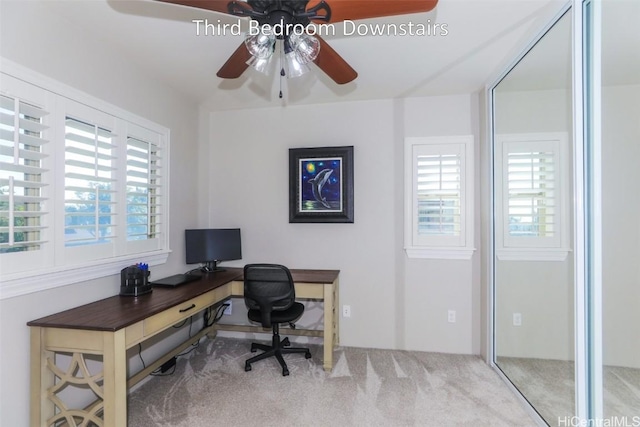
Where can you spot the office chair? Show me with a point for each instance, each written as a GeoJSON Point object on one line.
{"type": "Point", "coordinates": [270, 296]}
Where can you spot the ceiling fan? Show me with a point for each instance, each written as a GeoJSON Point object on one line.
{"type": "Point", "coordinates": [299, 49]}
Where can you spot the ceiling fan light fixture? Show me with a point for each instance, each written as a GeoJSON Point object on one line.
{"type": "Point", "coordinates": [260, 64]}
{"type": "Point", "coordinates": [260, 45]}
{"type": "Point", "coordinates": [305, 46]}
{"type": "Point", "coordinates": [293, 66]}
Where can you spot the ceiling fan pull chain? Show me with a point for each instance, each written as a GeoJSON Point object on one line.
{"type": "Point", "coordinates": [282, 73]}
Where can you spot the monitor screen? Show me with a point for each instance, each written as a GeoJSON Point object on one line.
{"type": "Point", "coordinates": [209, 246]}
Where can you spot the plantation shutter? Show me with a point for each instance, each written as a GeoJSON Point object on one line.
{"type": "Point", "coordinates": [21, 170]}
{"type": "Point", "coordinates": [90, 193]}
{"type": "Point", "coordinates": [143, 190]}
{"type": "Point", "coordinates": [531, 193]}
{"type": "Point", "coordinates": [532, 216]}
{"type": "Point", "coordinates": [438, 194]}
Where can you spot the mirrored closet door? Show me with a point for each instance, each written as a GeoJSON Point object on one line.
{"type": "Point", "coordinates": [533, 223]}
{"type": "Point", "coordinates": [618, 166]}
{"type": "Point", "coordinates": [566, 218]}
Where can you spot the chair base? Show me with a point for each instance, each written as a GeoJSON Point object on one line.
{"type": "Point", "coordinates": [277, 349]}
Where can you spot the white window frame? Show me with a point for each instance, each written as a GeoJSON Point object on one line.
{"type": "Point", "coordinates": [443, 246]}
{"type": "Point", "coordinates": [532, 248]}
{"type": "Point", "coordinates": [32, 95]}
{"type": "Point", "coordinates": [54, 265]}
{"type": "Point", "coordinates": [77, 111]}
{"type": "Point", "coordinates": [156, 140]}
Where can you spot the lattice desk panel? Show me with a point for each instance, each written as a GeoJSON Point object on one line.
{"type": "Point", "coordinates": [76, 376]}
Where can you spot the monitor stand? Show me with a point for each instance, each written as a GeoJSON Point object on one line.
{"type": "Point", "coordinates": [212, 267]}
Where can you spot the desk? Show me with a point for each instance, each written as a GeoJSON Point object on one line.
{"type": "Point", "coordinates": [111, 326]}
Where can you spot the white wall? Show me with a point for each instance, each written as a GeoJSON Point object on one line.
{"type": "Point", "coordinates": [621, 225]}
{"type": "Point", "coordinates": [433, 287]}
{"type": "Point", "coordinates": [395, 302]}
{"type": "Point", "coordinates": [66, 53]}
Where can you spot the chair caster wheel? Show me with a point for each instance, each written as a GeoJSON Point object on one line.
{"type": "Point", "coordinates": [247, 367]}
{"type": "Point", "coordinates": [285, 372]}
{"type": "Point", "coordinates": [253, 349]}
{"type": "Point", "coordinates": [285, 342]}
{"type": "Point", "coordinates": [307, 355]}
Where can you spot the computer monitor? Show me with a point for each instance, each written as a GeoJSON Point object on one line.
{"type": "Point", "coordinates": [209, 246]}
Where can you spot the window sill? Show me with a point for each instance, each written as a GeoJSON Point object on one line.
{"type": "Point", "coordinates": [40, 280]}
{"type": "Point", "coordinates": [532, 254]}
{"type": "Point", "coordinates": [440, 253]}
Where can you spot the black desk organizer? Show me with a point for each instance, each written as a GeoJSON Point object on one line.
{"type": "Point", "coordinates": [134, 281]}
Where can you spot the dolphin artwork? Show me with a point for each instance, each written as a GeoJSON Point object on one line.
{"type": "Point", "coordinates": [317, 183]}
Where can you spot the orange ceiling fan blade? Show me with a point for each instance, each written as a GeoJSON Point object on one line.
{"type": "Point", "coordinates": [214, 5]}
{"type": "Point", "coordinates": [342, 10]}
{"type": "Point", "coordinates": [333, 64]}
{"type": "Point", "coordinates": [236, 64]}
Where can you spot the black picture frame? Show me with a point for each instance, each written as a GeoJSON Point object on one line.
{"type": "Point", "coordinates": [321, 184]}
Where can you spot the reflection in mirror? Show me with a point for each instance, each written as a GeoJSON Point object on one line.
{"type": "Point", "coordinates": [533, 277]}
{"type": "Point", "coordinates": [621, 209]}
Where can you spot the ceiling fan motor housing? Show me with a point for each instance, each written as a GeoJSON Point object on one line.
{"type": "Point", "coordinates": [286, 15]}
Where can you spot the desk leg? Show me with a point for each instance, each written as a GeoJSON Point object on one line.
{"type": "Point", "coordinates": [41, 380]}
{"type": "Point", "coordinates": [329, 326]}
{"type": "Point", "coordinates": [336, 313]}
{"type": "Point", "coordinates": [115, 379]}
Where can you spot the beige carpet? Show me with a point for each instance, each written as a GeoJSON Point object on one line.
{"type": "Point", "coordinates": [366, 388]}
{"type": "Point", "coordinates": [550, 387]}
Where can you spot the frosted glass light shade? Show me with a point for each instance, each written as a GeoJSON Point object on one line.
{"type": "Point", "coordinates": [305, 46]}
{"type": "Point", "coordinates": [293, 66]}
{"type": "Point", "coordinates": [260, 64]}
{"type": "Point", "coordinates": [260, 45]}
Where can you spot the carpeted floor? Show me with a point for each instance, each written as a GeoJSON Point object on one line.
{"type": "Point", "coordinates": [367, 387]}
{"type": "Point", "coordinates": [550, 386]}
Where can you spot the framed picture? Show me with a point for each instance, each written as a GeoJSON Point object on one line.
{"type": "Point", "coordinates": [321, 184]}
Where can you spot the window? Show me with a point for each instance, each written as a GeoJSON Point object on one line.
{"type": "Point", "coordinates": [144, 189]}
{"type": "Point", "coordinates": [438, 194]}
{"type": "Point", "coordinates": [439, 197]}
{"type": "Point", "coordinates": [21, 170]}
{"type": "Point", "coordinates": [90, 184]}
{"type": "Point", "coordinates": [81, 186]}
{"type": "Point", "coordinates": [530, 193]}
{"type": "Point", "coordinates": [530, 211]}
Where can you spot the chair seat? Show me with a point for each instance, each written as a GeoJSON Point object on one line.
{"type": "Point", "coordinates": [291, 314]}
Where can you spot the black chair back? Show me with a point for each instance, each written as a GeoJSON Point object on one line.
{"type": "Point", "coordinates": [267, 288]}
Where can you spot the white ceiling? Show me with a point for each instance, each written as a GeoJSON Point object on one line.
{"type": "Point", "coordinates": [548, 64]}
{"type": "Point", "coordinates": [482, 36]}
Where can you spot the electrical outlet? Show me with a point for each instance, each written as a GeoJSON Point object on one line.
{"type": "Point", "coordinates": [517, 319]}
{"type": "Point", "coordinates": [451, 316]}
{"type": "Point", "coordinates": [228, 310]}
{"type": "Point", "coordinates": [346, 311]}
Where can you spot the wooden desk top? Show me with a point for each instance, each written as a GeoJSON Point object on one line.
{"type": "Point", "coordinates": [117, 312]}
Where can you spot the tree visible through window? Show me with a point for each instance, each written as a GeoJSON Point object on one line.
{"type": "Point", "coordinates": [89, 194]}
{"type": "Point", "coordinates": [21, 141]}
{"type": "Point", "coordinates": [97, 204]}
{"type": "Point", "coordinates": [143, 198]}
